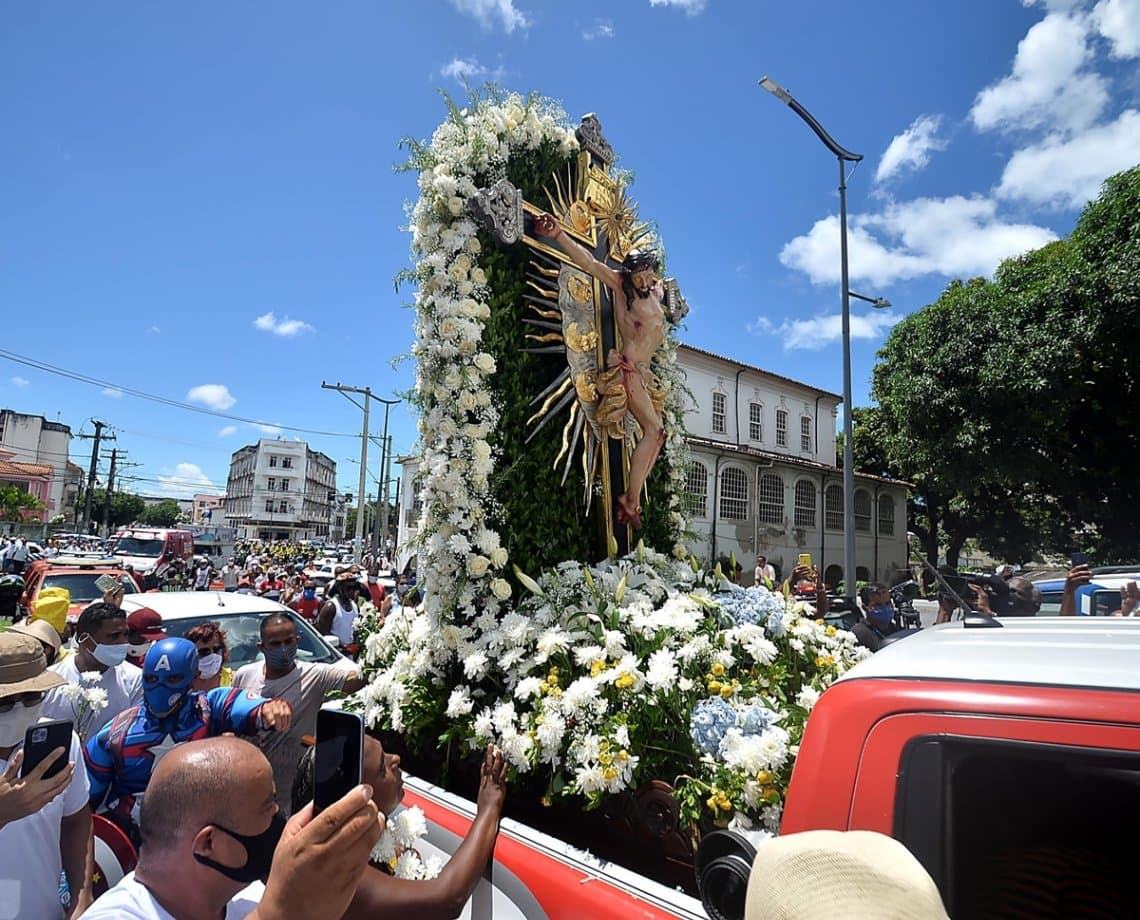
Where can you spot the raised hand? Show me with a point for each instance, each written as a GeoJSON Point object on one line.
{"type": "Point", "coordinates": [492, 780]}
{"type": "Point", "coordinates": [546, 226]}
{"type": "Point", "coordinates": [276, 715]}
{"type": "Point", "coordinates": [21, 796]}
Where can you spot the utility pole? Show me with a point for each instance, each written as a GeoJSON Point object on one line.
{"type": "Point", "coordinates": [383, 524]}
{"type": "Point", "coordinates": [96, 437]}
{"type": "Point", "coordinates": [381, 527]}
{"type": "Point", "coordinates": [110, 489]}
{"type": "Point", "coordinates": [367, 393]}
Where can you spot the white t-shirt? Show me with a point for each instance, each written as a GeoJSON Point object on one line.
{"type": "Point", "coordinates": [343, 620]}
{"type": "Point", "coordinates": [124, 686]}
{"type": "Point", "coordinates": [132, 899]}
{"type": "Point", "coordinates": [31, 863]}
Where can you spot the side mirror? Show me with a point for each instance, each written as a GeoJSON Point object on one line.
{"type": "Point", "coordinates": [333, 641]}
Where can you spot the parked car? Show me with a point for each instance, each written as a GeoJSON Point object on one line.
{"type": "Point", "coordinates": [240, 615]}
{"type": "Point", "coordinates": [1098, 598]}
{"type": "Point", "coordinates": [78, 576]}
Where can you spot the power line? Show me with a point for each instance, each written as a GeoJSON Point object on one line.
{"type": "Point", "coordinates": [161, 400]}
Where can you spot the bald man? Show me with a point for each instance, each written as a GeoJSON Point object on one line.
{"type": "Point", "coordinates": [211, 833]}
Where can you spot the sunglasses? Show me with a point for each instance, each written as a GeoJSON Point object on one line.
{"type": "Point", "coordinates": [217, 649]}
{"type": "Point", "coordinates": [27, 699]}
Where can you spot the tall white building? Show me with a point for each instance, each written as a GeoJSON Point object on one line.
{"type": "Point", "coordinates": [762, 477]}
{"type": "Point", "coordinates": [33, 439]}
{"type": "Point", "coordinates": [280, 490]}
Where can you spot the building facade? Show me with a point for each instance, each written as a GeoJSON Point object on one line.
{"type": "Point", "coordinates": [206, 508]}
{"type": "Point", "coordinates": [33, 439]}
{"type": "Point", "coordinates": [35, 479]}
{"type": "Point", "coordinates": [280, 490]}
{"type": "Point", "coordinates": [762, 478]}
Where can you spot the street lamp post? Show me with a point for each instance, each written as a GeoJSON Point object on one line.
{"type": "Point", "coordinates": [844, 156]}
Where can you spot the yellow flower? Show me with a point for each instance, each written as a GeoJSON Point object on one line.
{"type": "Point", "coordinates": [824, 661]}
{"type": "Point", "coordinates": [770, 793]}
{"type": "Point", "coordinates": [830, 631]}
{"type": "Point", "coordinates": [711, 802]}
{"type": "Point", "coordinates": [727, 690]}
{"type": "Point", "coordinates": [596, 668]}
{"type": "Point", "coordinates": [714, 686]}
{"type": "Point", "coordinates": [623, 756]}
{"type": "Point", "coordinates": [819, 622]}
{"type": "Point", "coordinates": [609, 774]}
{"type": "Point", "coordinates": [624, 682]}
{"type": "Point", "coordinates": [718, 669]}
{"type": "Point", "coordinates": [723, 802]}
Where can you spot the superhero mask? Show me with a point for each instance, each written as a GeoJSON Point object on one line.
{"type": "Point", "coordinates": [168, 671]}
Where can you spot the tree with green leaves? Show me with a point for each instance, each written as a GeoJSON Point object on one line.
{"type": "Point", "coordinates": [16, 504]}
{"type": "Point", "coordinates": [165, 514]}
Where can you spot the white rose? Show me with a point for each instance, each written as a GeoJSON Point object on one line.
{"type": "Point", "coordinates": [478, 276]}
{"type": "Point", "coordinates": [498, 557]}
{"type": "Point", "coordinates": [455, 205]}
{"type": "Point", "coordinates": [501, 588]}
{"type": "Point", "coordinates": [477, 566]}
{"type": "Point", "coordinates": [466, 401]}
{"type": "Point", "coordinates": [474, 246]}
{"type": "Point", "coordinates": [485, 363]}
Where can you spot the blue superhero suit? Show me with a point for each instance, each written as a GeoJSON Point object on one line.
{"type": "Point", "coordinates": [121, 756]}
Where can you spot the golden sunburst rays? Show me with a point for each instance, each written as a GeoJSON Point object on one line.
{"type": "Point", "coordinates": [566, 201]}
{"type": "Point", "coordinates": [617, 220]}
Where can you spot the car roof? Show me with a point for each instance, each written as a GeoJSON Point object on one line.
{"type": "Point", "coordinates": [1098, 652]}
{"type": "Point", "coordinates": [185, 605]}
{"type": "Point", "coordinates": [105, 563]}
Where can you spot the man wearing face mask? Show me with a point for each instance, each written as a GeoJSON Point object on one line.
{"type": "Point", "coordinates": [122, 755]}
{"type": "Point", "coordinates": [302, 684]}
{"type": "Point", "coordinates": [211, 835]}
{"type": "Point", "coordinates": [306, 603]}
{"type": "Point", "coordinates": [101, 637]}
{"type": "Point", "coordinates": [878, 623]}
{"type": "Point", "coordinates": [45, 824]}
{"type": "Point", "coordinates": [144, 628]}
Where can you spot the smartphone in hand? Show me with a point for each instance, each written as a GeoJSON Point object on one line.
{"type": "Point", "coordinates": [43, 738]}
{"type": "Point", "coordinates": [1079, 559]}
{"type": "Point", "coordinates": [804, 560]}
{"type": "Point", "coordinates": [338, 758]}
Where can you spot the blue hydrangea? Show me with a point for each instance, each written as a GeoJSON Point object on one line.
{"type": "Point", "coordinates": [710, 720]}
{"type": "Point", "coordinates": [756, 719]}
{"type": "Point", "coordinates": [754, 606]}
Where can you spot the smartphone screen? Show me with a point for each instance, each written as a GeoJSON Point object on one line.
{"type": "Point", "coordinates": [106, 582]}
{"type": "Point", "coordinates": [43, 738]}
{"type": "Point", "coordinates": [338, 760]}
{"type": "Point", "coordinates": [1080, 559]}
{"type": "Point", "coordinates": [805, 559]}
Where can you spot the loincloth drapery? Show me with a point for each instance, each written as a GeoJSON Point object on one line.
{"type": "Point", "coordinates": [613, 391]}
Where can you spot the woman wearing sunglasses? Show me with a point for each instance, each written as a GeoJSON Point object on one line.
{"type": "Point", "coordinates": [213, 654]}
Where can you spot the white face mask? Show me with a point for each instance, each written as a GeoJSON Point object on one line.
{"type": "Point", "coordinates": [110, 655]}
{"type": "Point", "coordinates": [209, 665]}
{"type": "Point", "coordinates": [16, 721]}
{"type": "Point", "coordinates": [139, 651]}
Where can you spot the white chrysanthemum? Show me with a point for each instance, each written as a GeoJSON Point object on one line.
{"type": "Point", "coordinates": [807, 697]}
{"type": "Point", "coordinates": [460, 702]}
{"type": "Point", "coordinates": [527, 688]}
{"type": "Point", "coordinates": [661, 673]}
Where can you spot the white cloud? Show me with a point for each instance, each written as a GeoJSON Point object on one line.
{"type": "Point", "coordinates": [268, 322]}
{"type": "Point", "coordinates": [492, 12]}
{"type": "Point", "coordinates": [820, 331]}
{"type": "Point", "coordinates": [462, 69]}
{"type": "Point", "coordinates": [112, 392]}
{"type": "Point", "coordinates": [215, 395]}
{"type": "Point", "coordinates": [691, 7]}
{"type": "Point", "coordinates": [602, 28]}
{"type": "Point", "coordinates": [1048, 86]}
{"type": "Point", "coordinates": [1069, 171]}
{"type": "Point", "coordinates": [20, 382]}
{"type": "Point", "coordinates": [227, 431]}
{"type": "Point", "coordinates": [268, 429]}
{"type": "Point", "coordinates": [154, 330]}
{"type": "Point", "coordinates": [186, 481]}
{"type": "Point", "coordinates": [952, 237]}
{"type": "Point", "coordinates": [1119, 22]}
{"type": "Point", "coordinates": [911, 149]}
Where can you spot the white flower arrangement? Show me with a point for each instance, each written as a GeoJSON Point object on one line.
{"type": "Point", "coordinates": [86, 700]}
{"type": "Point", "coordinates": [398, 846]}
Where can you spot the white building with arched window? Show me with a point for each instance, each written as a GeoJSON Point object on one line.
{"type": "Point", "coordinates": [763, 478]}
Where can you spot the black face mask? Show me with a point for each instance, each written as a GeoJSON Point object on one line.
{"type": "Point", "coordinates": [258, 853]}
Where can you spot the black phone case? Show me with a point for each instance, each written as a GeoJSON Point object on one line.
{"type": "Point", "coordinates": [43, 738]}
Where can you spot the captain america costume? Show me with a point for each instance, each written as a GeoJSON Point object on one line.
{"type": "Point", "coordinates": [122, 755]}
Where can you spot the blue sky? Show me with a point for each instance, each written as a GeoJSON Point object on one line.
{"type": "Point", "coordinates": [199, 202]}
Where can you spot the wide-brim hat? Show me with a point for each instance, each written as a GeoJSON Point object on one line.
{"type": "Point", "coordinates": [23, 666]}
{"type": "Point", "coordinates": [856, 875]}
{"type": "Point", "coordinates": [38, 629]}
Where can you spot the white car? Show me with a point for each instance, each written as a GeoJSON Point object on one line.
{"type": "Point", "coordinates": [239, 615]}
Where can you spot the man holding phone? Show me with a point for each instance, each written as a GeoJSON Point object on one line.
{"type": "Point", "coordinates": [45, 824]}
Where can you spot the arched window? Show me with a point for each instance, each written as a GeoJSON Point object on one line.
{"type": "Point", "coordinates": [833, 507]}
{"type": "Point", "coordinates": [886, 515]}
{"type": "Point", "coordinates": [770, 499]}
{"type": "Point", "coordinates": [734, 494]}
{"type": "Point", "coordinates": [805, 503]}
{"type": "Point", "coordinates": [697, 489]}
{"type": "Point", "coordinates": [862, 511]}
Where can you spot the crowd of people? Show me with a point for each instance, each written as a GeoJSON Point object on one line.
{"type": "Point", "coordinates": [207, 771]}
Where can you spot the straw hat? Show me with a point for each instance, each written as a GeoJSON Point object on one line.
{"type": "Point", "coordinates": [856, 875]}
{"type": "Point", "coordinates": [23, 667]}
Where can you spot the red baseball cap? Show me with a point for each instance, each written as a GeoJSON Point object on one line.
{"type": "Point", "coordinates": [146, 623]}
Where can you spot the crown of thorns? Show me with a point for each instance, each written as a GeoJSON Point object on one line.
{"type": "Point", "coordinates": [640, 260]}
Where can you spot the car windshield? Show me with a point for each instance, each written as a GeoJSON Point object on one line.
{"type": "Point", "coordinates": [242, 634]}
{"type": "Point", "coordinates": [138, 546]}
{"type": "Point", "coordinates": [81, 585]}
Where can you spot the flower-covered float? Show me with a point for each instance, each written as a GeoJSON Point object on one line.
{"type": "Point", "coordinates": [608, 665]}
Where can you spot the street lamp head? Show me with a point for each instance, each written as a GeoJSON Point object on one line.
{"type": "Point", "coordinates": [881, 303]}
{"type": "Point", "coordinates": [776, 90]}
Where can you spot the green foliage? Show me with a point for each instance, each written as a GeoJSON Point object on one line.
{"type": "Point", "coordinates": [15, 503]}
{"type": "Point", "coordinates": [165, 514]}
{"type": "Point", "coordinates": [1010, 404]}
{"type": "Point", "coordinates": [125, 507]}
